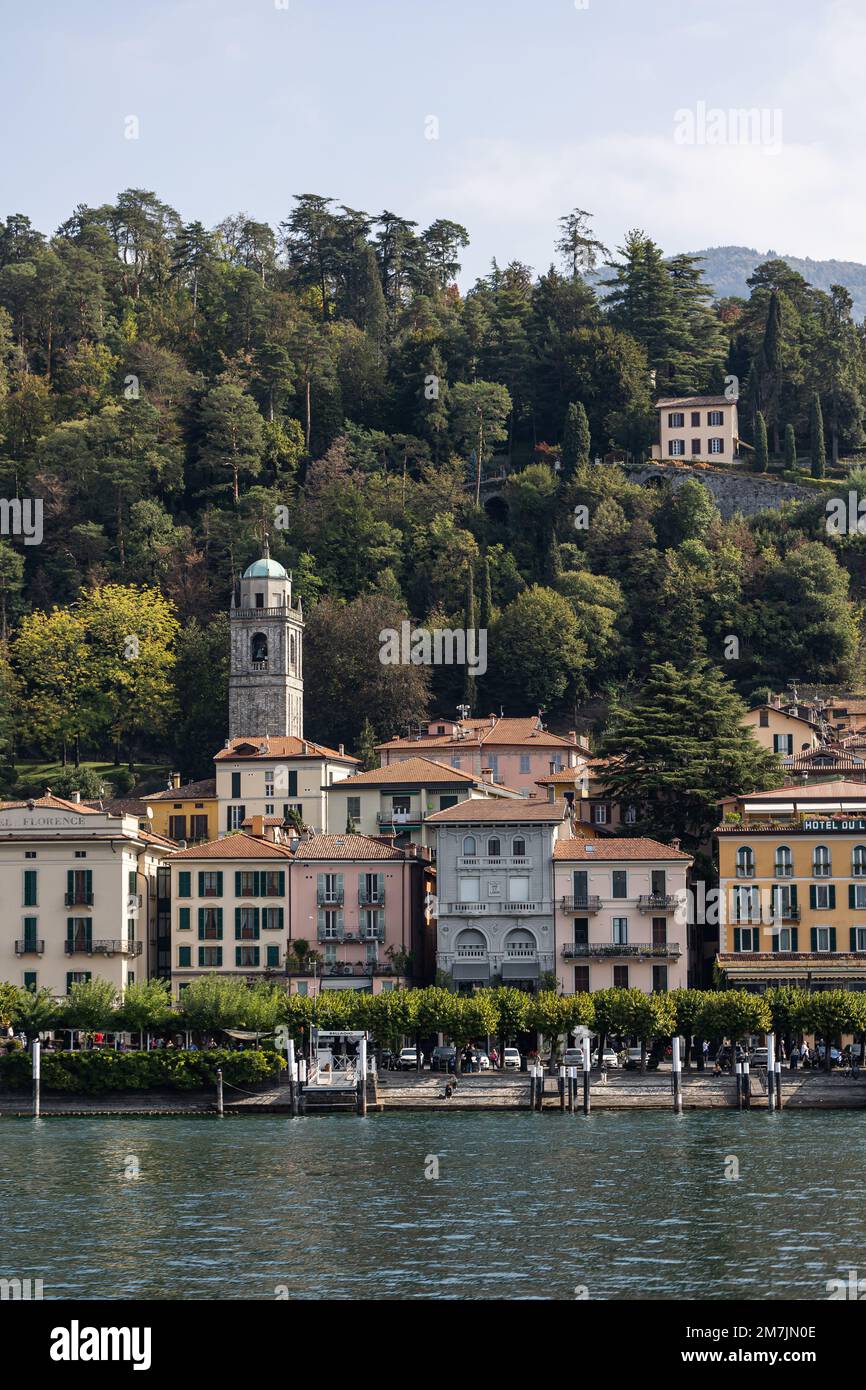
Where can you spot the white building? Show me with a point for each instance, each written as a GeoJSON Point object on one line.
{"type": "Point", "coordinates": [277, 777]}
{"type": "Point", "coordinates": [79, 888]}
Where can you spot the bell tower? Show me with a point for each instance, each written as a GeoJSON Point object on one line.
{"type": "Point", "coordinates": [266, 681]}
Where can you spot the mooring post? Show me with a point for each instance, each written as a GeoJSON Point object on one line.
{"type": "Point", "coordinates": [293, 1090]}
{"type": "Point", "coordinates": [562, 1090]}
{"type": "Point", "coordinates": [37, 1076]}
{"type": "Point", "coordinates": [532, 1088]}
{"type": "Point", "coordinates": [362, 1078]}
{"type": "Point", "coordinates": [738, 1070]}
{"type": "Point", "coordinates": [778, 1084]}
{"type": "Point", "coordinates": [539, 1085]}
{"type": "Point", "coordinates": [572, 1087]}
{"type": "Point", "coordinates": [219, 1079]}
{"type": "Point", "coordinates": [586, 1061]}
{"type": "Point", "coordinates": [747, 1085]}
{"type": "Point", "coordinates": [771, 1071]}
{"type": "Point", "coordinates": [676, 1075]}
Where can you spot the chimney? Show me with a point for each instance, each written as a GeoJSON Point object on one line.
{"type": "Point", "coordinates": [175, 780]}
{"type": "Point", "coordinates": [551, 792]}
{"type": "Point", "coordinates": [258, 827]}
{"type": "Point", "coordinates": [493, 721]}
{"type": "Point", "coordinates": [572, 734]}
{"type": "Point", "coordinates": [76, 796]}
{"type": "Point", "coordinates": [342, 750]}
{"type": "Point", "coordinates": [487, 775]}
{"type": "Point", "coordinates": [675, 844]}
{"type": "Point", "coordinates": [552, 767]}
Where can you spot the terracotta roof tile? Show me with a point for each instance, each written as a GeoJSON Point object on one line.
{"type": "Point", "coordinates": [236, 846]}
{"type": "Point", "coordinates": [616, 849]}
{"type": "Point", "coordinates": [50, 803]}
{"type": "Point", "coordinates": [190, 791]}
{"type": "Point", "coordinates": [273, 747]}
{"type": "Point", "coordinates": [522, 809]}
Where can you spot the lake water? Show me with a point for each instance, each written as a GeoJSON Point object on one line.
{"type": "Point", "coordinates": [623, 1205]}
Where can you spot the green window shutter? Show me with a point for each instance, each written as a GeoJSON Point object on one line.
{"type": "Point", "coordinates": [219, 883]}
{"type": "Point", "coordinates": [793, 895]}
{"type": "Point", "coordinates": [88, 882]}
{"type": "Point", "coordinates": [70, 882]}
{"type": "Point", "coordinates": [293, 783]}
{"type": "Point", "coordinates": [183, 919]}
{"type": "Point", "coordinates": [29, 887]}
{"type": "Point", "coordinates": [30, 980]}
{"type": "Point", "coordinates": [832, 895]}
{"type": "Point", "coordinates": [258, 884]}
{"type": "Point", "coordinates": [237, 883]}
{"type": "Point", "coordinates": [339, 882]}
{"type": "Point", "coordinates": [237, 955]}
{"type": "Point", "coordinates": [69, 975]}
{"type": "Point", "coordinates": [219, 951]}
{"type": "Point", "coordinates": [132, 880]}
{"type": "Point", "coordinates": [794, 937]}
{"type": "Point", "coordinates": [853, 938]}
{"type": "Point", "coordinates": [281, 882]}
{"type": "Point", "coordinates": [183, 955]}
{"type": "Point", "coordinates": [280, 918]}
{"type": "Point", "coordinates": [813, 897]}
{"type": "Point", "coordinates": [380, 886]}
{"type": "Point", "coordinates": [237, 923]}
{"type": "Point", "coordinates": [832, 938]}
{"type": "Point", "coordinates": [70, 928]}
{"type": "Point", "coordinates": [200, 883]}
{"type": "Point", "coordinates": [813, 939]}
{"type": "Point", "coordinates": [320, 920]}
{"type": "Point", "coordinates": [273, 956]}
{"type": "Point", "coordinates": [184, 884]}
{"type": "Point", "coordinates": [737, 938]}
{"type": "Point", "coordinates": [236, 785]}
{"type": "Point", "coordinates": [201, 924]}
{"type": "Point", "coordinates": [852, 895]}
{"type": "Point", "coordinates": [776, 946]}
{"type": "Point", "coordinates": [256, 920]}
{"type": "Point", "coordinates": [219, 921]}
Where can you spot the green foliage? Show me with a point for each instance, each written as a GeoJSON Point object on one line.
{"type": "Point", "coordinates": [100, 1071]}
{"type": "Point", "coordinates": [762, 456]}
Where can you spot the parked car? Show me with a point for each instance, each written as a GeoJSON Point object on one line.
{"type": "Point", "coordinates": [632, 1060]}
{"type": "Point", "coordinates": [443, 1058]}
{"type": "Point", "coordinates": [609, 1057]}
{"type": "Point", "coordinates": [511, 1058]}
{"type": "Point", "coordinates": [759, 1058]}
{"type": "Point", "coordinates": [572, 1057]}
{"type": "Point", "coordinates": [835, 1055]}
{"type": "Point", "coordinates": [408, 1059]}
{"type": "Point", "coordinates": [483, 1062]}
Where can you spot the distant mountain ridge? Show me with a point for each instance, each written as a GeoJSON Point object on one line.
{"type": "Point", "coordinates": [727, 268]}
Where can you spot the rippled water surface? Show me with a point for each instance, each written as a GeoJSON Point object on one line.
{"type": "Point", "coordinates": [628, 1206]}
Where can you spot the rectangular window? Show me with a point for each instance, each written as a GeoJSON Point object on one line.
{"type": "Point", "coordinates": [525, 762]}
{"type": "Point", "coordinates": [581, 931]}
{"type": "Point", "coordinates": [272, 919]}
{"type": "Point", "coordinates": [247, 956]}
{"type": "Point", "coordinates": [822, 939]}
{"type": "Point", "coordinates": [715, 417]}
{"type": "Point", "coordinates": [184, 957]}
{"type": "Point", "coordinates": [696, 448]}
{"type": "Point", "coordinates": [236, 785]}
{"type": "Point", "coordinates": [31, 928]}
{"type": "Point", "coordinates": [677, 447]}
{"type": "Point", "coordinates": [353, 808]}
{"type": "Point", "coordinates": [696, 419]}
{"type": "Point", "coordinates": [660, 979]}
{"type": "Point", "coordinates": [210, 924]}
{"type": "Point", "coordinates": [660, 931]}
{"type": "Point", "coordinates": [455, 762]}
{"type": "Point", "coordinates": [210, 884]}
{"type": "Point", "coordinates": [272, 883]}
{"type": "Point", "coordinates": [858, 938]}
{"type": "Point", "coordinates": [210, 957]}
{"type": "Point", "coordinates": [198, 828]}
{"type": "Point", "coordinates": [246, 924]}
{"type": "Point", "coordinates": [183, 919]}
{"type": "Point", "coordinates": [76, 977]}
{"type": "Point", "coordinates": [581, 979]}
{"type": "Point", "coordinates": [469, 890]}
{"type": "Point", "coordinates": [783, 744]}
{"type": "Point", "coordinates": [746, 938]}
{"type": "Point", "coordinates": [620, 931]}
{"type": "Point", "coordinates": [823, 897]}
{"type": "Point", "coordinates": [30, 888]}
{"type": "Point", "coordinates": [676, 420]}
{"type": "Point", "coordinates": [493, 764]}
{"type": "Point", "coordinates": [330, 926]}
{"type": "Point", "coordinates": [30, 980]}
{"type": "Point", "coordinates": [620, 977]}
{"type": "Point", "coordinates": [177, 827]}
{"type": "Point", "coordinates": [764, 719]}
{"type": "Point", "coordinates": [246, 883]}
{"type": "Point", "coordinates": [272, 957]}
{"type": "Point", "coordinates": [857, 896]}
{"type": "Point", "coordinates": [446, 801]}
{"type": "Point", "coordinates": [236, 815]}
{"type": "Point", "coordinates": [619, 879]}
{"type": "Point", "coordinates": [518, 889]}
{"type": "Point", "coordinates": [717, 446]}
{"type": "Point", "coordinates": [599, 815]}
{"type": "Point", "coordinates": [184, 884]}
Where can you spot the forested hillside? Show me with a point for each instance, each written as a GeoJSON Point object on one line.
{"type": "Point", "coordinates": [171, 392]}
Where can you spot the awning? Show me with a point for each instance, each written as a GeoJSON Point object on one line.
{"type": "Point", "coordinates": [478, 970]}
{"type": "Point", "coordinates": [520, 970]}
{"type": "Point", "coordinates": [365, 984]}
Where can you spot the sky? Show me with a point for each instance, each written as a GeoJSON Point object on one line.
{"type": "Point", "coordinates": [620, 107]}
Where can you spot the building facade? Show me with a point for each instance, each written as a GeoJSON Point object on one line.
{"type": "Point", "coordinates": [781, 732]}
{"type": "Point", "coordinates": [792, 886]}
{"type": "Point", "coordinates": [621, 913]}
{"type": "Point", "coordinates": [283, 777]}
{"type": "Point", "coordinates": [700, 429]}
{"type": "Point", "coordinates": [188, 813]}
{"type": "Point", "coordinates": [79, 888]}
{"type": "Point", "coordinates": [495, 895]}
{"type": "Point", "coordinates": [515, 751]}
{"type": "Point", "coordinates": [266, 681]}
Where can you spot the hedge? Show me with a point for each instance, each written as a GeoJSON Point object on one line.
{"type": "Point", "coordinates": [164, 1069]}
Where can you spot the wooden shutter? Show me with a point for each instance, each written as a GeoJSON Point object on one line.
{"type": "Point", "coordinates": [813, 899]}
{"type": "Point", "coordinates": [853, 938]}
{"type": "Point", "coordinates": [184, 883]}
{"type": "Point", "coordinates": [832, 938]}
{"type": "Point", "coordinates": [70, 885]}
{"type": "Point", "coordinates": [852, 895]}
{"type": "Point", "coordinates": [794, 937]}
{"type": "Point", "coordinates": [183, 919]}
{"type": "Point", "coordinates": [813, 938]}
{"type": "Point", "coordinates": [737, 938]}
{"type": "Point", "coordinates": [832, 895]}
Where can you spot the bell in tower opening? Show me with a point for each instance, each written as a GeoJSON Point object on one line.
{"type": "Point", "coordinates": [266, 683]}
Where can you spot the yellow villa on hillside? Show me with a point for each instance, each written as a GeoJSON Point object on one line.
{"type": "Point", "coordinates": [185, 813]}
{"type": "Point", "coordinates": [792, 879]}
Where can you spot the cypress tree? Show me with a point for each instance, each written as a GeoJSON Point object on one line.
{"type": "Point", "coordinates": [816, 438]}
{"type": "Point", "coordinates": [762, 457]}
{"type": "Point", "coordinates": [485, 618]}
{"type": "Point", "coordinates": [575, 440]}
{"type": "Point", "coordinates": [790, 447]}
{"type": "Point", "coordinates": [469, 690]}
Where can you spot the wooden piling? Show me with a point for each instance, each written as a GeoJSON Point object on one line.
{"type": "Point", "coordinates": [219, 1081]}
{"type": "Point", "coordinates": [771, 1072]}
{"type": "Point", "coordinates": [36, 1061]}
{"type": "Point", "coordinates": [676, 1076]}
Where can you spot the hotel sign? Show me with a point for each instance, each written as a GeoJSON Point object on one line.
{"type": "Point", "coordinates": [851, 825]}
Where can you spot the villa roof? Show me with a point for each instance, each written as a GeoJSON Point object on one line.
{"type": "Point", "coordinates": [423, 771]}
{"type": "Point", "coordinates": [821, 791]}
{"type": "Point", "coordinates": [636, 848]}
{"type": "Point", "coordinates": [190, 791]}
{"type": "Point", "coordinates": [503, 730]}
{"type": "Point", "coordinates": [50, 802]}
{"type": "Point", "coordinates": [237, 846]}
{"type": "Point", "coordinates": [666, 401]}
{"type": "Point", "coordinates": [347, 847]}
{"type": "Point", "coordinates": [482, 810]}
{"type": "Point", "coordinates": [268, 746]}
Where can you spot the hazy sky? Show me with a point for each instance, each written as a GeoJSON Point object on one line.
{"type": "Point", "coordinates": [540, 106]}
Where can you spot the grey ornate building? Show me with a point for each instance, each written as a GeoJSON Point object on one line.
{"type": "Point", "coordinates": [266, 683]}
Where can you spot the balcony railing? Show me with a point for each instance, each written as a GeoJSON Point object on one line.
{"type": "Point", "coordinates": [785, 913]}
{"type": "Point", "coordinates": [523, 907]}
{"type": "Point", "coordinates": [30, 946]}
{"type": "Point", "coordinates": [398, 817]}
{"type": "Point", "coordinates": [86, 947]}
{"type": "Point", "coordinates": [582, 902]}
{"type": "Point", "coordinates": [472, 861]}
{"type": "Point", "coordinates": [656, 902]}
{"type": "Point", "coordinates": [78, 898]}
{"type": "Point", "coordinates": [372, 934]}
{"type": "Point", "coordinates": [324, 898]}
{"type": "Point", "coordinates": [371, 898]}
{"type": "Point", "coordinates": [573, 950]}
{"type": "Point", "coordinates": [331, 934]}
{"type": "Point", "coordinates": [467, 909]}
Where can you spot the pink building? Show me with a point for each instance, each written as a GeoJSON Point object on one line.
{"type": "Point", "coordinates": [620, 914]}
{"type": "Point", "coordinates": [518, 751]}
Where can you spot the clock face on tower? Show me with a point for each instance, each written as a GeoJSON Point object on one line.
{"type": "Point", "coordinates": [266, 681]}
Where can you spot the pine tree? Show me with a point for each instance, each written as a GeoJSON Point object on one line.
{"type": "Point", "coordinates": [790, 447]}
{"type": "Point", "coordinates": [816, 438]}
{"type": "Point", "coordinates": [367, 747]}
{"type": "Point", "coordinates": [762, 457]}
{"type": "Point", "coordinates": [575, 441]}
{"type": "Point", "coordinates": [770, 366]}
{"type": "Point", "coordinates": [470, 693]}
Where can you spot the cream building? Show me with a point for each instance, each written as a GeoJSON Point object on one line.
{"type": "Point", "coordinates": [80, 891]}
{"type": "Point", "coordinates": [277, 777]}
{"type": "Point", "coordinates": [702, 429]}
{"type": "Point", "coordinates": [782, 732]}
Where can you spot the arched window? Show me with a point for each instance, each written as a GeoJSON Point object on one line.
{"type": "Point", "coordinates": [471, 943]}
{"type": "Point", "coordinates": [784, 862]}
{"type": "Point", "coordinates": [821, 866]}
{"type": "Point", "coordinates": [518, 847]}
{"type": "Point", "coordinates": [494, 848]}
{"type": "Point", "coordinates": [858, 861]}
{"type": "Point", "coordinates": [292, 650]}
{"type": "Point", "coordinates": [521, 943]}
{"type": "Point", "coordinates": [745, 862]}
{"type": "Point", "coordinates": [470, 848]}
{"type": "Point", "coordinates": [259, 647]}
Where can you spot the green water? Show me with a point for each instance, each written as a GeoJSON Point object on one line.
{"type": "Point", "coordinates": [625, 1205]}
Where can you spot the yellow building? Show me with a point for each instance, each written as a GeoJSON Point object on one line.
{"type": "Point", "coordinates": [188, 812]}
{"type": "Point", "coordinates": [781, 732]}
{"type": "Point", "coordinates": [701, 429]}
{"type": "Point", "coordinates": [792, 887]}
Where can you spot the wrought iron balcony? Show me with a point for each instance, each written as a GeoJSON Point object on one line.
{"type": "Point", "coordinates": [581, 903]}
{"type": "Point", "coordinates": [785, 913]}
{"type": "Point", "coordinates": [371, 898]}
{"type": "Point", "coordinates": [331, 934]}
{"type": "Point", "coordinates": [657, 902]}
{"type": "Point", "coordinates": [84, 946]}
{"type": "Point", "coordinates": [30, 946]}
{"type": "Point", "coordinates": [78, 898]}
{"type": "Point", "coordinates": [573, 950]}
{"type": "Point", "coordinates": [332, 899]}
